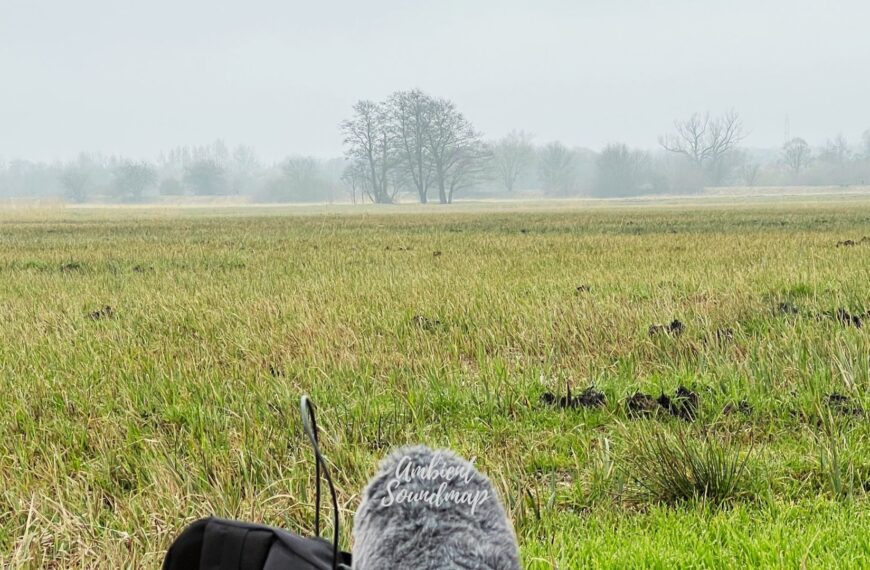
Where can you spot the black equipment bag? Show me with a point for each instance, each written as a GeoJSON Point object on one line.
{"type": "Point", "coordinates": [217, 544]}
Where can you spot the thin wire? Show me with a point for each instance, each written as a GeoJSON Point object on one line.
{"type": "Point", "coordinates": [309, 424]}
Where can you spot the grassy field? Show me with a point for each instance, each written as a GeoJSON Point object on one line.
{"type": "Point", "coordinates": [119, 426]}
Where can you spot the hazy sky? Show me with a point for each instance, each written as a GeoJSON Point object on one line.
{"type": "Point", "coordinates": [116, 76]}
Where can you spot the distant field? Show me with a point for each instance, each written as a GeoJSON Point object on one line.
{"type": "Point", "coordinates": [525, 200]}
{"type": "Point", "coordinates": [152, 361]}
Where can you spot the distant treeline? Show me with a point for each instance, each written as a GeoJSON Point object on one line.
{"type": "Point", "coordinates": [412, 146]}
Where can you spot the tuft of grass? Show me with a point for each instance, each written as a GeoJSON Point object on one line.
{"type": "Point", "coordinates": [835, 460]}
{"type": "Point", "coordinates": [675, 467]}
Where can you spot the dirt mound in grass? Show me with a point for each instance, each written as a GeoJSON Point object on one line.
{"type": "Point", "coordinates": [843, 405]}
{"type": "Point", "coordinates": [591, 398]}
{"type": "Point", "coordinates": [105, 312]}
{"type": "Point", "coordinates": [787, 308]}
{"type": "Point", "coordinates": [742, 407]}
{"type": "Point", "coordinates": [683, 404]}
{"type": "Point", "coordinates": [640, 405]}
{"type": "Point", "coordinates": [588, 398]}
{"type": "Point", "coordinates": [674, 328]}
{"type": "Point", "coordinates": [722, 335]}
{"type": "Point", "coordinates": [725, 334]}
{"type": "Point", "coordinates": [846, 318]}
{"type": "Point", "coordinates": [71, 266]}
{"type": "Point", "coordinates": [425, 323]}
{"type": "Point", "coordinates": [852, 242]}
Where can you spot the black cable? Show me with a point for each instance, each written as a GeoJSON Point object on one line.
{"type": "Point", "coordinates": [309, 424]}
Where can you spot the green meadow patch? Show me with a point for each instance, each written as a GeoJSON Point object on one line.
{"type": "Point", "coordinates": [664, 386]}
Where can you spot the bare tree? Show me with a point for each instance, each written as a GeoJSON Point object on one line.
{"type": "Point", "coordinates": [369, 142]}
{"type": "Point", "coordinates": [706, 141]}
{"type": "Point", "coordinates": [622, 171]}
{"type": "Point", "coordinates": [206, 177]}
{"type": "Point", "coordinates": [557, 169]}
{"type": "Point", "coordinates": [133, 178]}
{"type": "Point", "coordinates": [469, 168]}
{"type": "Point", "coordinates": [355, 178]}
{"type": "Point", "coordinates": [796, 154]}
{"type": "Point", "coordinates": [866, 137]}
{"type": "Point", "coordinates": [454, 148]}
{"type": "Point", "coordinates": [836, 151]}
{"type": "Point", "coordinates": [75, 180]}
{"type": "Point", "coordinates": [302, 180]}
{"type": "Point", "coordinates": [512, 155]}
{"type": "Point", "coordinates": [410, 113]}
{"type": "Point", "coordinates": [750, 172]}
{"type": "Point", "coordinates": [244, 166]}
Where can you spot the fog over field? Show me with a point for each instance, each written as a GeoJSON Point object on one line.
{"type": "Point", "coordinates": [107, 102]}
{"type": "Point", "coordinates": [613, 253]}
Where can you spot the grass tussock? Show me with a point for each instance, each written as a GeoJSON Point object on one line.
{"type": "Point", "coordinates": [671, 467]}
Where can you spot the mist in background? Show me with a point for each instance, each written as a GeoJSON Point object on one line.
{"type": "Point", "coordinates": [116, 101]}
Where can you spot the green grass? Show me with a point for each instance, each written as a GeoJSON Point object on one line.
{"type": "Point", "coordinates": [673, 468]}
{"type": "Point", "coordinates": [116, 432]}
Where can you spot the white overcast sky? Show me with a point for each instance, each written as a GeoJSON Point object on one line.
{"type": "Point", "coordinates": [138, 77]}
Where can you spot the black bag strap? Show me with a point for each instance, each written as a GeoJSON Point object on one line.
{"type": "Point", "coordinates": [309, 424]}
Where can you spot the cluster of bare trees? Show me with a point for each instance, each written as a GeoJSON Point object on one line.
{"type": "Point", "coordinates": [710, 144]}
{"type": "Point", "coordinates": [413, 144]}
{"type": "Point", "coordinates": [190, 171]}
{"type": "Point", "coordinates": [411, 141]}
{"type": "Point", "coordinates": [209, 170]}
{"type": "Point", "coordinates": [797, 154]}
{"type": "Point", "coordinates": [837, 162]}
